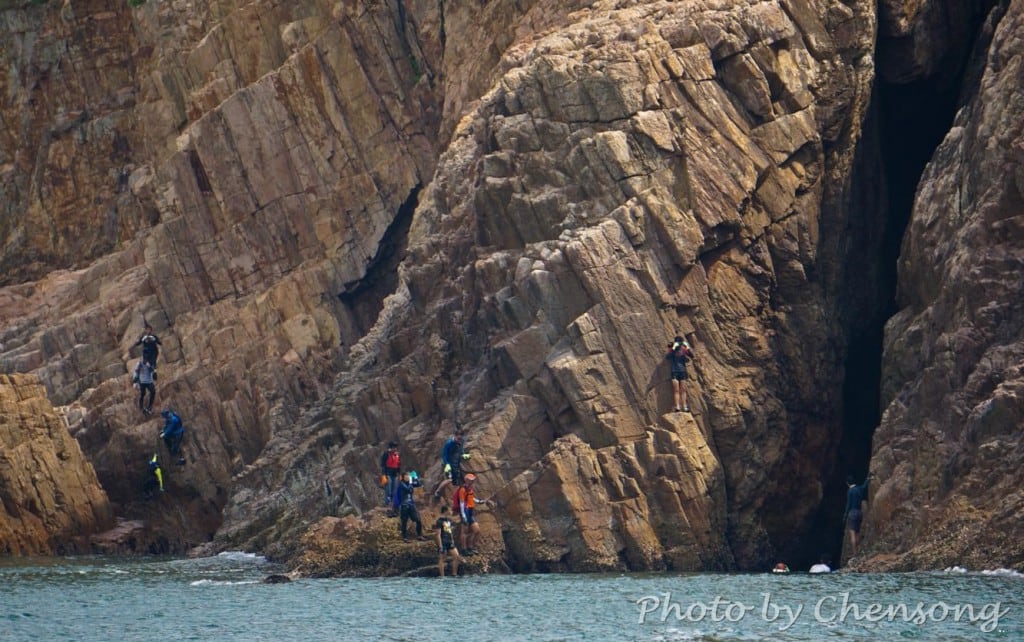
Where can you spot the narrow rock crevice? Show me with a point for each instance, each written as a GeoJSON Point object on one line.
{"type": "Point", "coordinates": [364, 299]}
{"type": "Point", "coordinates": [909, 120]}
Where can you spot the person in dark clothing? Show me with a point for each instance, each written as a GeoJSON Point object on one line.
{"type": "Point", "coordinates": [150, 346]}
{"type": "Point", "coordinates": [404, 504]}
{"type": "Point", "coordinates": [678, 354]}
{"type": "Point", "coordinates": [143, 379]}
{"type": "Point", "coordinates": [446, 542]}
{"type": "Point", "coordinates": [172, 434]}
{"type": "Point", "coordinates": [390, 467]}
{"type": "Point", "coordinates": [856, 498]}
{"type": "Point", "coordinates": [452, 455]}
{"type": "Point", "coordinates": [154, 478]}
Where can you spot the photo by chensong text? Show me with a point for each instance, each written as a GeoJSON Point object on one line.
{"type": "Point", "coordinates": [829, 609]}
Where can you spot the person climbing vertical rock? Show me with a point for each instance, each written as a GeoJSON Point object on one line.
{"type": "Point", "coordinates": [679, 352]}
{"type": "Point", "coordinates": [150, 345]}
{"type": "Point", "coordinates": [143, 378]}
{"type": "Point", "coordinates": [172, 434]}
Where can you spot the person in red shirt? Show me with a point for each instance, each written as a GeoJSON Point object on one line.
{"type": "Point", "coordinates": [390, 467]}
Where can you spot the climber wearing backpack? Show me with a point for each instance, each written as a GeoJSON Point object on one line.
{"type": "Point", "coordinates": [452, 456]}
{"type": "Point", "coordinates": [390, 466]}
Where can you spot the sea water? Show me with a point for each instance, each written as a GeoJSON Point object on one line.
{"type": "Point", "coordinates": [225, 598]}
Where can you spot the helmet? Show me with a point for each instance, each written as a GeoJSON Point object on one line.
{"type": "Point", "coordinates": [470, 477]}
{"type": "Point", "coordinates": [165, 414]}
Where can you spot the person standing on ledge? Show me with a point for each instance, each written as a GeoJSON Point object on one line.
{"type": "Point", "coordinates": [856, 498]}
{"type": "Point", "coordinates": [678, 354]}
{"type": "Point", "coordinates": [390, 468]}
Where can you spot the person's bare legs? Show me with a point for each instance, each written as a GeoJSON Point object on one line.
{"type": "Point", "coordinates": [455, 562]}
{"type": "Point", "coordinates": [679, 394]}
{"type": "Point", "coordinates": [474, 534]}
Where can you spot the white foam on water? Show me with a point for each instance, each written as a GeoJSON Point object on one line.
{"type": "Point", "coordinates": [1006, 572]}
{"type": "Point", "coordinates": [241, 556]}
{"type": "Point", "coordinates": [221, 582]}
{"type": "Point", "coordinates": [955, 569]}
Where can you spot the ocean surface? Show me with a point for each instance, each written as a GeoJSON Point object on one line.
{"type": "Point", "coordinates": [224, 598]}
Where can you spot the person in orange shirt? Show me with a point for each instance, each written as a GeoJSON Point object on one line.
{"type": "Point", "coordinates": [465, 501]}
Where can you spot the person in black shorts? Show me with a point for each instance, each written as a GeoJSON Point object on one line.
{"type": "Point", "coordinates": [446, 542]}
{"type": "Point", "coordinates": [678, 354]}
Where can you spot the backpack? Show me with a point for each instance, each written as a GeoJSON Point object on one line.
{"type": "Point", "coordinates": [392, 460]}
{"type": "Point", "coordinates": [456, 497]}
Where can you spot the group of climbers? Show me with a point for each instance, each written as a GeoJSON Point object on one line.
{"type": "Point", "coordinates": [399, 489]}
{"type": "Point", "coordinates": [144, 378]}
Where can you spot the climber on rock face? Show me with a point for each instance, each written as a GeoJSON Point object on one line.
{"type": "Point", "coordinates": [405, 505]}
{"type": "Point", "coordinates": [452, 455]}
{"type": "Point", "coordinates": [465, 500]}
{"type": "Point", "coordinates": [678, 354]}
{"type": "Point", "coordinates": [154, 478]}
{"type": "Point", "coordinates": [172, 434]}
{"type": "Point", "coordinates": [856, 498]}
{"type": "Point", "coordinates": [143, 379]}
{"type": "Point", "coordinates": [390, 466]}
{"type": "Point", "coordinates": [150, 346]}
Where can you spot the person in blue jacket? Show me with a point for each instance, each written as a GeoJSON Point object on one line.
{"type": "Point", "coordinates": [452, 455]}
{"type": "Point", "coordinates": [403, 503]}
{"type": "Point", "coordinates": [172, 433]}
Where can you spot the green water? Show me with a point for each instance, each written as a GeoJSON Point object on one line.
{"type": "Point", "coordinates": [223, 598]}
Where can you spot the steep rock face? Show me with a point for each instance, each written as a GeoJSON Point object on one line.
{"type": "Point", "coordinates": [50, 499]}
{"type": "Point", "coordinates": [947, 454]}
{"type": "Point", "coordinates": [567, 185]}
{"type": "Point", "coordinates": [634, 173]}
{"type": "Point", "coordinates": [262, 160]}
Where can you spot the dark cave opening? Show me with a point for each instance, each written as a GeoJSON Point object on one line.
{"type": "Point", "coordinates": [910, 120]}
{"type": "Point", "coordinates": [364, 299]}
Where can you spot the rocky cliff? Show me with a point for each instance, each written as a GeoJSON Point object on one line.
{"type": "Point", "coordinates": [948, 451]}
{"type": "Point", "coordinates": [355, 222]}
{"type": "Point", "coordinates": [50, 499]}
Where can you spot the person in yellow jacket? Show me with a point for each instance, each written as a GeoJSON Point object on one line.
{"type": "Point", "coordinates": [154, 478]}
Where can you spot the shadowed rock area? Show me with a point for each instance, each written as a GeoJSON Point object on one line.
{"type": "Point", "coordinates": [948, 451]}
{"type": "Point", "coordinates": [363, 221]}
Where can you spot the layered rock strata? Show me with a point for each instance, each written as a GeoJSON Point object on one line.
{"type": "Point", "coordinates": [50, 499]}
{"type": "Point", "coordinates": [947, 455]}
{"type": "Point", "coordinates": [362, 221]}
